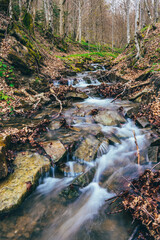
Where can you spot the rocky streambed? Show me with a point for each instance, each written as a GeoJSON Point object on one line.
{"type": "Point", "coordinates": [89, 155]}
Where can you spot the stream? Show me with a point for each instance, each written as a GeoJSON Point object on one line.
{"type": "Point", "coordinates": [45, 214]}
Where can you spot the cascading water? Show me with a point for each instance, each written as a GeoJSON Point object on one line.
{"type": "Point", "coordinates": [44, 215]}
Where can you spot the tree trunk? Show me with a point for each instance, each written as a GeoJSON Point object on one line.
{"type": "Point", "coordinates": [155, 11]}
{"type": "Point", "coordinates": [142, 15]}
{"type": "Point", "coordinates": [128, 21]}
{"type": "Point", "coordinates": [148, 11]}
{"type": "Point", "coordinates": [10, 9]}
{"type": "Point", "coordinates": [20, 9]}
{"type": "Point", "coordinates": [79, 32]}
{"type": "Point", "coordinates": [61, 20]}
{"type": "Point", "coordinates": [136, 27]}
{"type": "Point", "coordinates": [29, 6]}
{"type": "Point", "coordinates": [113, 11]}
{"type": "Point", "coordinates": [50, 14]}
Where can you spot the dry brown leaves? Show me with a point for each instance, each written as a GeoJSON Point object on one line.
{"type": "Point", "coordinates": [110, 91]}
{"type": "Point", "coordinates": [143, 201]}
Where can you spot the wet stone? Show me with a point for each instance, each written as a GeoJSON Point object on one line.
{"type": "Point", "coordinates": [143, 122]}
{"type": "Point", "coordinates": [72, 192]}
{"type": "Point", "coordinates": [89, 128]}
{"type": "Point", "coordinates": [76, 95]}
{"type": "Point", "coordinates": [109, 118]}
{"type": "Point", "coordinates": [153, 154]}
{"type": "Point", "coordinates": [3, 163]}
{"type": "Point", "coordinates": [88, 149]}
{"type": "Point", "coordinates": [55, 125]}
{"type": "Point", "coordinates": [28, 169]}
{"type": "Point", "coordinates": [54, 149]}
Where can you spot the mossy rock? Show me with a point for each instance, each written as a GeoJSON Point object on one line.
{"type": "Point", "coordinates": [19, 64]}
{"type": "Point", "coordinates": [72, 192]}
{"type": "Point", "coordinates": [28, 168]}
{"type": "Point", "coordinates": [24, 56]}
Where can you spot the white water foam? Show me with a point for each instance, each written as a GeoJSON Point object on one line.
{"type": "Point", "coordinates": [96, 197]}
{"type": "Point", "coordinates": [51, 184]}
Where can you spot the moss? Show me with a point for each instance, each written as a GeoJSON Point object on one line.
{"type": "Point", "coordinates": [144, 29]}
{"type": "Point", "coordinates": [19, 64]}
{"type": "Point", "coordinates": [28, 22]}
{"type": "Point", "coordinates": [75, 69]}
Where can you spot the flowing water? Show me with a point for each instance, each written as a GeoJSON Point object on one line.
{"type": "Point", "coordinates": [45, 215]}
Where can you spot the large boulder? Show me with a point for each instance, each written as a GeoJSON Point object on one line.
{"type": "Point", "coordinates": [28, 168]}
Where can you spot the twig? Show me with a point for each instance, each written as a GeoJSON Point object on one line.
{"type": "Point", "coordinates": [134, 233]}
{"type": "Point", "coordinates": [115, 212]}
{"type": "Point", "coordinates": [119, 95]}
{"type": "Point", "coordinates": [60, 103]}
{"type": "Point", "coordinates": [138, 154]}
{"type": "Point", "coordinates": [155, 166]}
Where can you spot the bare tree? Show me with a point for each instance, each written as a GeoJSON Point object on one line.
{"type": "Point", "coordinates": [155, 11]}
{"type": "Point", "coordinates": [79, 32]}
{"type": "Point", "coordinates": [148, 10]}
{"type": "Point", "coordinates": [128, 21]}
{"type": "Point", "coordinates": [61, 20]}
{"type": "Point", "coordinates": [10, 9]}
{"type": "Point", "coordinates": [136, 27]}
{"type": "Point", "coordinates": [113, 12]}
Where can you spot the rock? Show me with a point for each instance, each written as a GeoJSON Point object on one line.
{"type": "Point", "coordinates": [28, 169]}
{"type": "Point", "coordinates": [156, 142]}
{"type": "Point", "coordinates": [72, 169]}
{"type": "Point", "coordinates": [87, 79]}
{"type": "Point", "coordinates": [55, 125]}
{"type": "Point", "coordinates": [93, 129]}
{"type": "Point", "coordinates": [76, 95]}
{"type": "Point", "coordinates": [19, 64]}
{"type": "Point", "coordinates": [3, 163]}
{"type": "Point", "coordinates": [88, 149]}
{"type": "Point", "coordinates": [153, 154]}
{"type": "Point", "coordinates": [138, 96]}
{"type": "Point", "coordinates": [20, 93]}
{"type": "Point", "coordinates": [68, 73]}
{"type": "Point", "coordinates": [133, 111]}
{"type": "Point", "coordinates": [114, 139]}
{"type": "Point", "coordinates": [143, 122]}
{"type": "Point", "coordinates": [79, 65]}
{"type": "Point", "coordinates": [118, 183]}
{"type": "Point", "coordinates": [3, 166]}
{"type": "Point", "coordinates": [54, 149]}
{"type": "Point", "coordinates": [143, 77]}
{"type": "Point", "coordinates": [73, 191]}
{"type": "Point", "coordinates": [109, 118]}
{"type": "Point", "coordinates": [112, 77]}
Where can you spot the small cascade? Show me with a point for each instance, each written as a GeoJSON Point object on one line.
{"type": "Point", "coordinates": [103, 149]}
{"type": "Point", "coordinates": [46, 214]}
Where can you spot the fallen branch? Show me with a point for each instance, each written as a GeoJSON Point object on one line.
{"type": "Point", "coordinates": [119, 95]}
{"type": "Point", "coordinates": [138, 154]}
{"type": "Point", "coordinates": [60, 103]}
